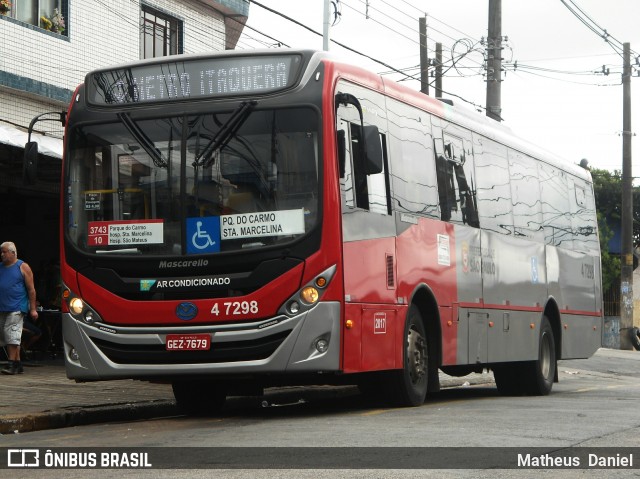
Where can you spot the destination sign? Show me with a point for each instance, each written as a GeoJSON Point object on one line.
{"type": "Point", "coordinates": [125, 233]}
{"type": "Point", "coordinates": [192, 78]}
{"type": "Point", "coordinates": [254, 225]}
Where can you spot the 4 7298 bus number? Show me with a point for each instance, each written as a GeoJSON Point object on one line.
{"type": "Point", "coordinates": [235, 308]}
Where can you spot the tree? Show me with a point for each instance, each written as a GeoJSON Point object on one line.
{"type": "Point", "coordinates": [610, 263]}
{"type": "Point", "coordinates": [607, 188]}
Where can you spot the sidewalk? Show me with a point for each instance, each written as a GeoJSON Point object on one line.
{"type": "Point", "coordinates": [43, 398]}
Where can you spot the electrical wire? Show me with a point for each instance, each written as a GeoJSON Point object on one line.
{"type": "Point", "coordinates": [346, 47]}
{"type": "Point", "coordinates": [532, 73]}
{"type": "Point", "coordinates": [586, 20]}
{"type": "Point", "coordinates": [202, 36]}
{"type": "Point", "coordinates": [413, 40]}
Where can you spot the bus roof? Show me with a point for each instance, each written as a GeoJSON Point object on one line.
{"type": "Point", "coordinates": [310, 59]}
{"type": "Point", "coordinates": [454, 113]}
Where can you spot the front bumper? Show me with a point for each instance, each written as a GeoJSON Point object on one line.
{"type": "Point", "coordinates": [270, 346]}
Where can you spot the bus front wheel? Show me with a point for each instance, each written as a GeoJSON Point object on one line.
{"type": "Point", "coordinates": [199, 397]}
{"type": "Point", "coordinates": [408, 386]}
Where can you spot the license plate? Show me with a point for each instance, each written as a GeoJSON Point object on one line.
{"type": "Point", "coordinates": [188, 342]}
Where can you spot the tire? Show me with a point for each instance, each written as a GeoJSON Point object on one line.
{"type": "Point", "coordinates": [198, 397]}
{"type": "Point", "coordinates": [533, 378]}
{"type": "Point", "coordinates": [540, 374]}
{"type": "Point", "coordinates": [408, 386]}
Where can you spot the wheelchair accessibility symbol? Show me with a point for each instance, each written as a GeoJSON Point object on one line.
{"type": "Point", "coordinates": [203, 234]}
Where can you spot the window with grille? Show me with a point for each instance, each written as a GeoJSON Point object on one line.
{"type": "Point", "coordinates": [160, 34]}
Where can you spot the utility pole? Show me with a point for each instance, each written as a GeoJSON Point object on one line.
{"type": "Point", "coordinates": [424, 57]}
{"type": "Point", "coordinates": [626, 273]}
{"type": "Point", "coordinates": [326, 25]}
{"type": "Point", "coordinates": [438, 70]}
{"type": "Point", "coordinates": [494, 60]}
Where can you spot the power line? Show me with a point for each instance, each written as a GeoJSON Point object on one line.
{"type": "Point", "coordinates": [533, 73]}
{"type": "Point", "coordinates": [332, 40]}
{"type": "Point", "coordinates": [459, 62]}
{"type": "Point", "coordinates": [586, 20]}
{"type": "Point", "coordinates": [420, 12]}
{"type": "Point", "coordinates": [382, 24]}
{"type": "Point", "coordinates": [454, 60]}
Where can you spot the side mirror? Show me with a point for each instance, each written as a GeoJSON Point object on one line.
{"type": "Point", "coordinates": [30, 165]}
{"type": "Point", "coordinates": [373, 153]}
{"type": "Point", "coordinates": [370, 138]}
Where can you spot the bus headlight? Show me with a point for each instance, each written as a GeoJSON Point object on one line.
{"type": "Point", "coordinates": [76, 306]}
{"type": "Point", "coordinates": [310, 295]}
{"type": "Point", "coordinates": [80, 310]}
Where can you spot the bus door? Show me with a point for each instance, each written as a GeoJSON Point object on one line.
{"type": "Point", "coordinates": [368, 230]}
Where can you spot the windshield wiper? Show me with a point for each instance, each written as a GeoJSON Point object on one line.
{"type": "Point", "coordinates": [144, 141]}
{"type": "Point", "coordinates": [225, 133]}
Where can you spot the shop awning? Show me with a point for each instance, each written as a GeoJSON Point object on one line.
{"type": "Point", "coordinates": [10, 135]}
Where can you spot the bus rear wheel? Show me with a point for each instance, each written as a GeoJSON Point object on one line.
{"type": "Point", "coordinates": [534, 378]}
{"type": "Point", "coordinates": [199, 397]}
{"type": "Point", "coordinates": [408, 386]}
{"type": "Point", "coordinates": [541, 373]}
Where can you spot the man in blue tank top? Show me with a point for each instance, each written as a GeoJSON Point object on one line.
{"type": "Point", "coordinates": [17, 297]}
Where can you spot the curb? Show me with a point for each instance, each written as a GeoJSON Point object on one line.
{"type": "Point", "coordinates": [81, 416]}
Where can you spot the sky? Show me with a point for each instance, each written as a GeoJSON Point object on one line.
{"type": "Point", "coordinates": [554, 91]}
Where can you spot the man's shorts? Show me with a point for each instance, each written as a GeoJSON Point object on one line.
{"type": "Point", "coordinates": [11, 327]}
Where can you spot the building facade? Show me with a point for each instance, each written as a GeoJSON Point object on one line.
{"type": "Point", "coordinates": [46, 49]}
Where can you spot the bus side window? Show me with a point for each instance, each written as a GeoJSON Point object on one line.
{"type": "Point", "coordinates": [492, 185]}
{"type": "Point", "coordinates": [525, 196]}
{"type": "Point", "coordinates": [556, 212]}
{"type": "Point", "coordinates": [456, 192]}
{"type": "Point", "coordinates": [582, 209]}
{"type": "Point", "coordinates": [346, 179]}
{"type": "Point", "coordinates": [446, 190]}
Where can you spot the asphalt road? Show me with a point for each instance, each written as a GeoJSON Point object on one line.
{"type": "Point", "coordinates": [594, 406]}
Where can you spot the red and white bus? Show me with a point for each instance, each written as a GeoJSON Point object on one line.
{"type": "Point", "coordinates": [247, 219]}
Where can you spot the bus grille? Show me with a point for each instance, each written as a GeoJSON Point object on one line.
{"type": "Point", "coordinates": [252, 350]}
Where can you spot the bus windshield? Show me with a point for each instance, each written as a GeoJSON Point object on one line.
{"type": "Point", "coordinates": [157, 186]}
